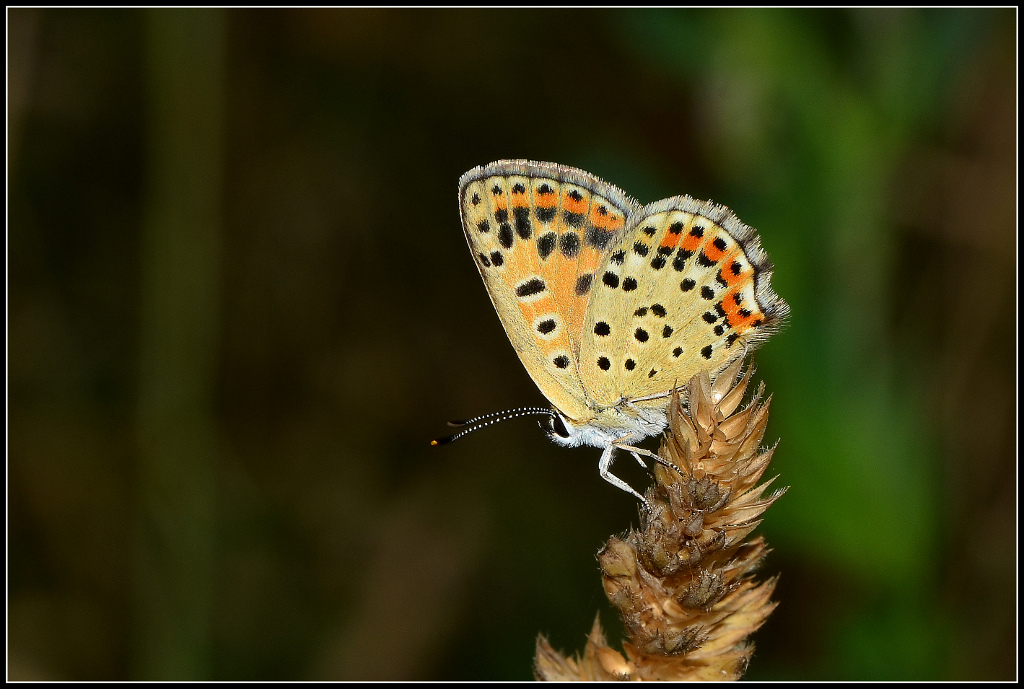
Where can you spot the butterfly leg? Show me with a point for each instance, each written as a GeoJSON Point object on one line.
{"type": "Point", "coordinates": [639, 461]}
{"type": "Point", "coordinates": [604, 468]}
{"type": "Point", "coordinates": [647, 453]}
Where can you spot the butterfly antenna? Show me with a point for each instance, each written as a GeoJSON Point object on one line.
{"type": "Point", "coordinates": [478, 422]}
{"type": "Point", "coordinates": [460, 424]}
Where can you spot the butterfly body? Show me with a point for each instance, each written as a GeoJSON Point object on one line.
{"type": "Point", "coordinates": [611, 305]}
{"type": "Point", "coordinates": [610, 425]}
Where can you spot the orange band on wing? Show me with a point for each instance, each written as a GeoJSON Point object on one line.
{"type": "Point", "coordinates": [733, 273]}
{"type": "Point", "coordinates": [548, 200]}
{"type": "Point", "coordinates": [605, 220]}
{"type": "Point", "coordinates": [691, 242]}
{"type": "Point", "coordinates": [713, 252]}
{"type": "Point", "coordinates": [572, 205]}
{"type": "Point", "coordinates": [739, 316]}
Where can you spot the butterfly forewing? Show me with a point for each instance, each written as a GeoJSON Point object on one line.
{"type": "Point", "coordinates": [684, 288]}
{"type": "Point", "coordinates": [537, 233]}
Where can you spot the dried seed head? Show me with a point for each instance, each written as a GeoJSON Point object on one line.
{"type": "Point", "coordinates": [705, 589]}
{"type": "Point", "coordinates": [683, 581]}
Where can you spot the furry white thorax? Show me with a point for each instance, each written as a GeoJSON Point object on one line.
{"type": "Point", "coordinates": [612, 424]}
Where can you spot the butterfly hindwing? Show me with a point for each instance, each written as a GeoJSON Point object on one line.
{"type": "Point", "coordinates": [538, 232]}
{"type": "Point", "coordinates": [684, 288]}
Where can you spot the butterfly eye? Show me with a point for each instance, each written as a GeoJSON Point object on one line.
{"type": "Point", "coordinates": [556, 426]}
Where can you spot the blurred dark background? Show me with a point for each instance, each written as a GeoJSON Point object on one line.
{"type": "Point", "coordinates": [240, 304]}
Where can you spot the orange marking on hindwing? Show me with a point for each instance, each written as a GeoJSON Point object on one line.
{"type": "Point", "coordinates": [691, 242]}
{"type": "Point", "coordinates": [739, 315]}
{"type": "Point", "coordinates": [669, 241]}
{"type": "Point", "coordinates": [710, 250]}
{"type": "Point", "coordinates": [730, 275]}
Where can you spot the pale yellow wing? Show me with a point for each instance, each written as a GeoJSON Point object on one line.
{"type": "Point", "coordinates": [538, 232]}
{"type": "Point", "coordinates": [684, 288]}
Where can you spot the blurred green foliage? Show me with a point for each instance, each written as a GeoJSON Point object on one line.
{"type": "Point", "coordinates": [875, 151]}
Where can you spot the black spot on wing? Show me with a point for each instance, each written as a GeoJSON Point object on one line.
{"type": "Point", "coordinates": [583, 283]}
{"type": "Point", "coordinates": [546, 244]}
{"type": "Point", "coordinates": [598, 238]}
{"type": "Point", "coordinates": [569, 244]}
{"type": "Point", "coordinates": [505, 236]}
{"type": "Point", "coordinates": [522, 220]}
{"type": "Point", "coordinates": [703, 260]}
{"type": "Point", "coordinates": [573, 219]}
{"type": "Point", "coordinates": [530, 287]}
{"type": "Point", "coordinates": [546, 215]}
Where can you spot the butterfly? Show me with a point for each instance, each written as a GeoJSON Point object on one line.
{"type": "Point", "coordinates": [610, 305]}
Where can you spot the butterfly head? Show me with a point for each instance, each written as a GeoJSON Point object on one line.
{"type": "Point", "coordinates": [606, 426]}
{"type": "Point", "coordinates": [598, 431]}
{"type": "Point", "coordinates": [561, 430]}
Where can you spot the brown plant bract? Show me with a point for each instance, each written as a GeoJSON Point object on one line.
{"type": "Point", "coordinates": [684, 581]}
